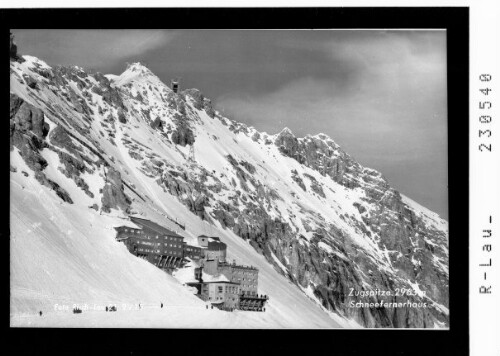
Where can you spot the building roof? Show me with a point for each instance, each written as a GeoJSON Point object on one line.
{"type": "Point", "coordinates": [154, 227]}
{"type": "Point", "coordinates": [226, 282]}
{"type": "Point", "coordinates": [233, 265]}
{"type": "Point", "coordinates": [126, 224]}
{"type": "Point", "coordinates": [216, 246]}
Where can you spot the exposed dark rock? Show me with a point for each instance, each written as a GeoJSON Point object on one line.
{"type": "Point", "coordinates": [256, 137]}
{"type": "Point", "coordinates": [121, 116]}
{"type": "Point", "coordinates": [200, 102]}
{"type": "Point", "coordinates": [26, 117]}
{"type": "Point", "coordinates": [248, 166]}
{"type": "Point", "coordinates": [113, 195]}
{"type": "Point", "coordinates": [224, 218]}
{"type": "Point", "coordinates": [197, 97]}
{"type": "Point", "coordinates": [207, 105]}
{"type": "Point", "coordinates": [360, 207]}
{"type": "Point", "coordinates": [14, 56]}
{"type": "Point", "coordinates": [60, 192]}
{"type": "Point", "coordinates": [315, 185]}
{"type": "Point", "coordinates": [32, 83]}
{"type": "Point", "coordinates": [298, 180]}
{"type": "Point", "coordinates": [323, 258]}
{"type": "Point", "coordinates": [183, 136]}
{"type": "Point", "coordinates": [287, 143]}
{"type": "Point", "coordinates": [157, 124]}
{"type": "Point", "coordinates": [110, 94]}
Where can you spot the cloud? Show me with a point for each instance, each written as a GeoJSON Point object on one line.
{"type": "Point", "coordinates": [396, 94]}
{"type": "Point", "coordinates": [90, 48]}
{"type": "Point", "coordinates": [389, 111]}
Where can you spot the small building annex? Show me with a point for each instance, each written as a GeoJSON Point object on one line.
{"type": "Point", "coordinates": [212, 248]}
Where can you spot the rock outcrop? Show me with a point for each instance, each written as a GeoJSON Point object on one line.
{"type": "Point", "coordinates": [323, 220]}
{"type": "Point", "coordinates": [183, 135]}
{"type": "Point", "coordinates": [27, 133]}
{"type": "Point", "coordinates": [14, 56]}
{"type": "Point", "coordinates": [113, 195]}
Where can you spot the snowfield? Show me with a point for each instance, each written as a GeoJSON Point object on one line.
{"type": "Point", "coordinates": [66, 254]}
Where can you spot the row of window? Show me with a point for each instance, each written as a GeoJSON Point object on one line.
{"type": "Point", "coordinates": [231, 289]}
{"type": "Point", "coordinates": [246, 273]}
{"type": "Point", "coordinates": [140, 242]}
{"type": "Point", "coordinates": [176, 253]}
{"type": "Point", "coordinates": [220, 298]}
{"type": "Point", "coordinates": [250, 280]}
{"type": "Point", "coordinates": [228, 289]}
{"type": "Point", "coordinates": [158, 244]}
{"type": "Point", "coordinates": [172, 245]}
{"type": "Point", "coordinates": [134, 231]}
{"type": "Point", "coordinates": [140, 232]}
{"type": "Point", "coordinates": [247, 286]}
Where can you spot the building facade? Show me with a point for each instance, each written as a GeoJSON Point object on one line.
{"type": "Point", "coordinates": [160, 246]}
{"type": "Point", "coordinates": [222, 293]}
{"type": "Point", "coordinates": [246, 276]}
{"type": "Point", "coordinates": [215, 250]}
{"type": "Point", "coordinates": [192, 252]}
{"type": "Point", "coordinates": [203, 240]}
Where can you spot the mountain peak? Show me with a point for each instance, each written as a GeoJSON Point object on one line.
{"type": "Point", "coordinates": [136, 71]}
{"type": "Point", "coordinates": [315, 205]}
{"type": "Point", "coordinates": [286, 131]}
{"type": "Point", "coordinates": [139, 68]}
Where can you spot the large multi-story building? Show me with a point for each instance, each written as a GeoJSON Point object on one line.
{"type": "Point", "coordinates": [160, 246]}
{"type": "Point", "coordinates": [234, 286]}
{"type": "Point", "coordinates": [226, 294]}
{"type": "Point", "coordinates": [246, 276]}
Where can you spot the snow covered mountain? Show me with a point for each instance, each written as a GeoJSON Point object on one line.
{"type": "Point", "coordinates": [88, 149]}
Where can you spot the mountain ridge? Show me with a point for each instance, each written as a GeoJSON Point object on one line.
{"type": "Point", "coordinates": [320, 218]}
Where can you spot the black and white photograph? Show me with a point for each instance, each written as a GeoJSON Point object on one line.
{"type": "Point", "coordinates": [268, 179]}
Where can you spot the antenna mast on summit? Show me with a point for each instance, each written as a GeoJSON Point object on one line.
{"type": "Point", "coordinates": [174, 84]}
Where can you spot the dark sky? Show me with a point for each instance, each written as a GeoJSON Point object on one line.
{"type": "Point", "coordinates": [381, 95]}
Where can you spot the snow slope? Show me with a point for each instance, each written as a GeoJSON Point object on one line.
{"type": "Point", "coordinates": [66, 253]}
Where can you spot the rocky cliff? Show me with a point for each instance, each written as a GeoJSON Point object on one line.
{"type": "Point", "coordinates": [333, 227]}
